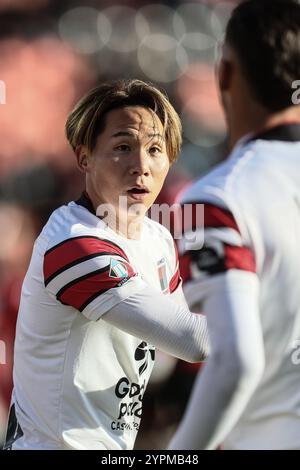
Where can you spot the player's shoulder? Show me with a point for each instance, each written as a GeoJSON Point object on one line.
{"type": "Point", "coordinates": [72, 221]}
{"type": "Point", "coordinates": [157, 230]}
{"type": "Point", "coordinates": [225, 183]}
{"type": "Point", "coordinates": [159, 237]}
{"type": "Point", "coordinates": [227, 190]}
{"type": "Point", "coordinates": [209, 189]}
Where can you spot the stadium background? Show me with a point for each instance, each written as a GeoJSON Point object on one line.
{"type": "Point", "coordinates": [51, 52]}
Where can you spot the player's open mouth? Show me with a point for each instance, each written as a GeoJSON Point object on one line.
{"type": "Point", "coordinates": [138, 192]}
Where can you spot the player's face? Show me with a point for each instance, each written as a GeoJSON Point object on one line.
{"type": "Point", "coordinates": [130, 158]}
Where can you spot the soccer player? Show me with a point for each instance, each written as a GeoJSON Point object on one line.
{"type": "Point", "coordinates": [247, 274]}
{"type": "Point", "coordinates": [103, 285]}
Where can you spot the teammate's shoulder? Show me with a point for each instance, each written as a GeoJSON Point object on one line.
{"type": "Point", "coordinates": [208, 189]}
{"type": "Point", "coordinates": [225, 181]}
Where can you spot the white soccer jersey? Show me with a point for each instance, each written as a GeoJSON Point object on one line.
{"type": "Point", "coordinates": [78, 381]}
{"type": "Point", "coordinates": [252, 223]}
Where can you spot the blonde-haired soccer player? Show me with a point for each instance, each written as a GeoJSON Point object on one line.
{"type": "Point", "coordinates": [103, 285]}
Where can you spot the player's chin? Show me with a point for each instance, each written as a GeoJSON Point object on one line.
{"type": "Point", "coordinates": [137, 207]}
{"type": "Point", "coordinates": [146, 200]}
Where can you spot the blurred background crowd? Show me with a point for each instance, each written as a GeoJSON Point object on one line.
{"type": "Point", "coordinates": [51, 53]}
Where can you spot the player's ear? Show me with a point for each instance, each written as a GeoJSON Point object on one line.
{"type": "Point", "coordinates": [83, 158]}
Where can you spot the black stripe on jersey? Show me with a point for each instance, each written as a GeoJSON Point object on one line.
{"type": "Point", "coordinates": [75, 262]}
{"type": "Point", "coordinates": [81, 278]}
{"type": "Point", "coordinates": [83, 236]}
{"type": "Point", "coordinates": [69, 239]}
{"type": "Point", "coordinates": [93, 297]}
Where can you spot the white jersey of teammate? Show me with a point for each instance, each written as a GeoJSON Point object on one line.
{"type": "Point", "coordinates": [252, 225]}
{"type": "Point", "coordinates": [79, 382]}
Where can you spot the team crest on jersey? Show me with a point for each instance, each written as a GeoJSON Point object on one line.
{"type": "Point", "coordinates": [162, 274]}
{"type": "Point", "coordinates": [117, 269]}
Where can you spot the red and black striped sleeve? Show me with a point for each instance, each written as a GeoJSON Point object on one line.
{"type": "Point", "coordinates": [223, 247]}
{"type": "Point", "coordinates": [80, 269]}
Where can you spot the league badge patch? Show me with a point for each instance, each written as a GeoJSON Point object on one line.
{"type": "Point", "coordinates": [117, 269]}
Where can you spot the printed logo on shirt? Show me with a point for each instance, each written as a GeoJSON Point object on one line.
{"type": "Point", "coordinates": [144, 351]}
{"type": "Point", "coordinates": [117, 269]}
{"type": "Point", "coordinates": [131, 393]}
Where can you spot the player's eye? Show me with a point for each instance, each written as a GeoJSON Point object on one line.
{"type": "Point", "coordinates": [123, 148]}
{"type": "Point", "coordinates": [155, 149]}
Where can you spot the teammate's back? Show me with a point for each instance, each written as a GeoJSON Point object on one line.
{"type": "Point", "coordinates": [272, 213]}
{"type": "Point", "coordinates": [246, 274]}
{"type": "Point", "coordinates": [260, 185]}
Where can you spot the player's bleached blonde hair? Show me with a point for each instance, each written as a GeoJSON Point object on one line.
{"type": "Point", "coordinates": [87, 119]}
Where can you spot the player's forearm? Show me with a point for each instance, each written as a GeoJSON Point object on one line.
{"type": "Point", "coordinates": [234, 367]}
{"type": "Point", "coordinates": [159, 320]}
{"type": "Point", "coordinates": [220, 395]}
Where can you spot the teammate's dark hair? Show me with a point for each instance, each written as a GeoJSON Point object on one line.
{"type": "Point", "coordinates": [265, 34]}
{"type": "Point", "coordinates": [87, 119]}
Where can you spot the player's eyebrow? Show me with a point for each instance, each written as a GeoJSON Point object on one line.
{"type": "Point", "coordinates": [131, 134]}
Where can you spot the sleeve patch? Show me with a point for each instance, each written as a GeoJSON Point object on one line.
{"type": "Point", "coordinates": [80, 292]}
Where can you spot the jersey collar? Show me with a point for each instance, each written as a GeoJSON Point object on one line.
{"type": "Point", "coordinates": [85, 201]}
{"type": "Point", "coordinates": [289, 132]}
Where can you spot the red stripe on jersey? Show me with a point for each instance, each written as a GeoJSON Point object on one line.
{"type": "Point", "coordinates": [213, 217]}
{"type": "Point", "coordinates": [236, 257]}
{"type": "Point", "coordinates": [176, 252]}
{"type": "Point", "coordinates": [185, 267]}
{"type": "Point", "coordinates": [82, 291]}
{"type": "Point", "coordinates": [74, 250]}
{"type": "Point", "coordinates": [176, 279]}
{"type": "Point", "coordinates": [217, 217]}
{"type": "Point", "coordinates": [174, 282]}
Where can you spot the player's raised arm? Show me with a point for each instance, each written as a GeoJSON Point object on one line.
{"type": "Point", "coordinates": [84, 273]}
{"type": "Point", "coordinates": [161, 321]}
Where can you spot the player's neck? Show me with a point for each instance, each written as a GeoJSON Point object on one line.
{"type": "Point", "coordinates": [259, 120]}
{"type": "Point", "coordinates": [127, 226]}
{"type": "Point", "coordinates": [120, 218]}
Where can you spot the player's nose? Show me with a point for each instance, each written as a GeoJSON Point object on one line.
{"type": "Point", "coordinates": [139, 164]}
